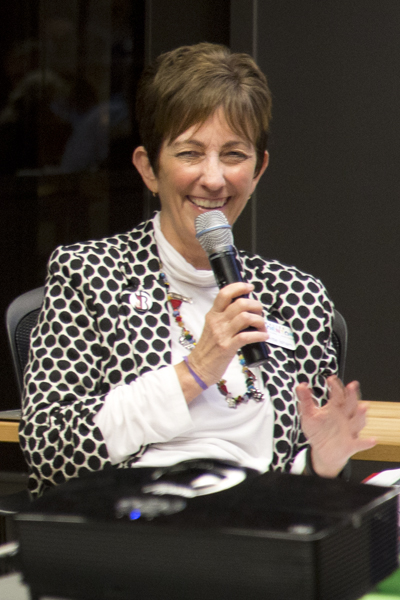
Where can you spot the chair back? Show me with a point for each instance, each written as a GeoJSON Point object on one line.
{"type": "Point", "coordinates": [339, 339]}
{"type": "Point", "coordinates": [21, 318]}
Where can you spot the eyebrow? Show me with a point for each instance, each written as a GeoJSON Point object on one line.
{"type": "Point", "coordinates": [198, 144]}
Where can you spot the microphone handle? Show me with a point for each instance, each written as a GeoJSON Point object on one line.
{"type": "Point", "coordinates": [226, 270]}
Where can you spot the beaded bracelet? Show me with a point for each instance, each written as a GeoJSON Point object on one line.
{"type": "Point", "coordinates": [201, 383]}
{"type": "Point", "coordinates": [344, 473]}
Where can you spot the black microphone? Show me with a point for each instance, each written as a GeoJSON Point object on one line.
{"type": "Point", "coordinates": [215, 236]}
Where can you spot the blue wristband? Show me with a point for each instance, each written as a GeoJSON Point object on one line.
{"type": "Point", "coordinates": [197, 379]}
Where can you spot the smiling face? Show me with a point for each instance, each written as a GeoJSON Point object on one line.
{"type": "Point", "coordinates": [205, 168]}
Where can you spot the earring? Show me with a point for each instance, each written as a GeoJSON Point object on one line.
{"type": "Point", "coordinates": [154, 195]}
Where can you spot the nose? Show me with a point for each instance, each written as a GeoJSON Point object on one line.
{"type": "Point", "coordinates": [213, 177]}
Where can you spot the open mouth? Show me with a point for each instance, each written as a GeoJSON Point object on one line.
{"type": "Point", "coordinates": [205, 203]}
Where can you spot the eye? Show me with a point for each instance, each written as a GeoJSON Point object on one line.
{"type": "Point", "coordinates": [236, 155]}
{"type": "Point", "coordinates": [188, 154]}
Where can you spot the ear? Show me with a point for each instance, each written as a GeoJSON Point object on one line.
{"type": "Point", "coordinates": [141, 161]}
{"type": "Point", "coordinates": [263, 167]}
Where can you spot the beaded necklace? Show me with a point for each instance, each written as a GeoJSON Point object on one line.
{"type": "Point", "coordinates": [187, 340]}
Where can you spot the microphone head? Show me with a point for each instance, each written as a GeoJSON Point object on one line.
{"type": "Point", "coordinates": [213, 231]}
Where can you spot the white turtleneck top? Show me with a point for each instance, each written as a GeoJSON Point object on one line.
{"type": "Point", "coordinates": [153, 411]}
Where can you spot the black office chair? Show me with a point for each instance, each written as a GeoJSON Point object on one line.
{"type": "Point", "coordinates": [21, 318]}
{"type": "Point", "coordinates": [339, 340]}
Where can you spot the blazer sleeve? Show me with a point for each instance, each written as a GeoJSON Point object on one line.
{"type": "Point", "coordinates": [63, 383]}
{"type": "Point", "coordinates": [321, 361]}
{"type": "Point", "coordinates": [82, 362]}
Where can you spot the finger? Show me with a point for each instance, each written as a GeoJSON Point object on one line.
{"type": "Point", "coordinates": [357, 423]}
{"type": "Point", "coordinates": [359, 419]}
{"type": "Point", "coordinates": [346, 398]}
{"type": "Point", "coordinates": [306, 402]}
{"type": "Point", "coordinates": [336, 390]}
{"type": "Point", "coordinates": [228, 293]}
{"type": "Point", "coordinates": [243, 320]}
{"type": "Point", "coordinates": [362, 444]}
{"type": "Point", "coordinates": [363, 405]}
{"type": "Point", "coordinates": [244, 304]}
{"type": "Point", "coordinates": [249, 337]}
{"type": "Point", "coordinates": [353, 391]}
{"type": "Point", "coordinates": [353, 395]}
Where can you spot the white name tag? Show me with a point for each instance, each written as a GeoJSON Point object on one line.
{"type": "Point", "coordinates": [280, 335]}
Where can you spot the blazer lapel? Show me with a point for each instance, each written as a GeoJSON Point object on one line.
{"type": "Point", "coordinates": [142, 300]}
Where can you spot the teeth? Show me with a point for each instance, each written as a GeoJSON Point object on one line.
{"type": "Point", "coordinates": [204, 203]}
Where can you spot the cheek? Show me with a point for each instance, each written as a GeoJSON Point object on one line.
{"type": "Point", "coordinates": [243, 175]}
{"type": "Point", "coordinates": [245, 181]}
{"type": "Point", "coordinates": [177, 182]}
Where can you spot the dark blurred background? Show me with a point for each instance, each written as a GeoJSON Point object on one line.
{"type": "Point", "coordinates": [327, 203]}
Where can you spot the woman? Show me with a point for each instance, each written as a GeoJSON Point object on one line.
{"type": "Point", "coordinates": [136, 357]}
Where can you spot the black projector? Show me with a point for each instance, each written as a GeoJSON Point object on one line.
{"type": "Point", "coordinates": [208, 530]}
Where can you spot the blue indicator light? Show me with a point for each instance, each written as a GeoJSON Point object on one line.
{"type": "Point", "coordinates": [135, 514]}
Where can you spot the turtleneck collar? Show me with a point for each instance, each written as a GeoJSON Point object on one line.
{"type": "Point", "coordinates": [174, 263]}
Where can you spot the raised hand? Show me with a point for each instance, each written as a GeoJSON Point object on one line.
{"type": "Point", "coordinates": [333, 430]}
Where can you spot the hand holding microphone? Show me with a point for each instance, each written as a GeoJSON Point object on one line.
{"type": "Point", "coordinates": [215, 236]}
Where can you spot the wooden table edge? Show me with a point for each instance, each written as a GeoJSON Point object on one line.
{"type": "Point", "coordinates": [9, 431]}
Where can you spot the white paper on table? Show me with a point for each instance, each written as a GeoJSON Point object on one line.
{"type": "Point", "coordinates": [386, 478]}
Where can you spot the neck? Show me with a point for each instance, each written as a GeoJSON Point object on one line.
{"type": "Point", "coordinates": [198, 262]}
{"type": "Point", "coordinates": [191, 250]}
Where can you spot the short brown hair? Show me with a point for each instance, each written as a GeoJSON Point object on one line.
{"type": "Point", "coordinates": [185, 86]}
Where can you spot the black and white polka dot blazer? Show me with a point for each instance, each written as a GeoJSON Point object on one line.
{"type": "Point", "coordinates": [90, 338]}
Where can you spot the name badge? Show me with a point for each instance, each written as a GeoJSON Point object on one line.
{"type": "Point", "coordinates": [280, 335]}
